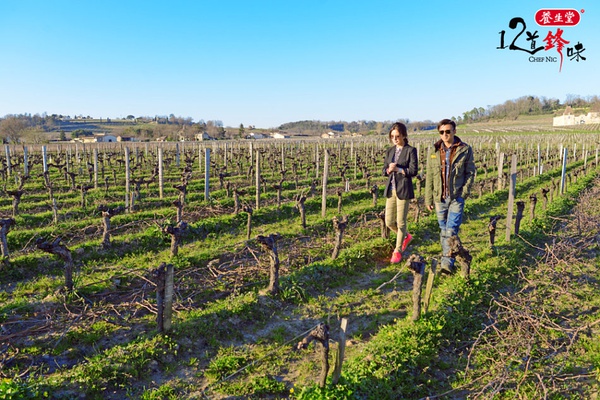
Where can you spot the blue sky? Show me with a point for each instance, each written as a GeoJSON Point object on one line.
{"type": "Point", "coordinates": [265, 63]}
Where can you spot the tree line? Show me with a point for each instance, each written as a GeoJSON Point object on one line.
{"type": "Point", "coordinates": [36, 129]}
{"type": "Point", "coordinates": [527, 105]}
{"type": "Point", "coordinates": [27, 128]}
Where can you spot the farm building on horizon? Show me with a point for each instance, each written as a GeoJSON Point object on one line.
{"type": "Point", "coordinates": [568, 118]}
{"type": "Point", "coordinates": [96, 138]}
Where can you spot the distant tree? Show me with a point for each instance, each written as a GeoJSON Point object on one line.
{"type": "Point", "coordinates": [241, 131]}
{"type": "Point", "coordinates": [34, 135]}
{"type": "Point", "coordinates": [574, 100]}
{"type": "Point", "coordinates": [339, 127]}
{"type": "Point", "coordinates": [49, 122]}
{"type": "Point", "coordinates": [80, 132]}
{"type": "Point", "coordinates": [595, 104]}
{"type": "Point", "coordinates": [130, 117]}
{"type": "Point", "coordinates": [215, 129]}
{"type": "Point", "coordinates": [11, 128]}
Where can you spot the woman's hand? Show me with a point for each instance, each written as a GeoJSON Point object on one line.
{"type": "Point", "coordinates": [391, 168]}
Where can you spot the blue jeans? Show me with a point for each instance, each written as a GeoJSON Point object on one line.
{"type": "Point", "coordinates": [449, 216]}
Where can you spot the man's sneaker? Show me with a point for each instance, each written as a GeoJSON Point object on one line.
{"type": "Point", "coordinates": [406, 241]}
{"type": "Point", "coordinates": [396, 257]}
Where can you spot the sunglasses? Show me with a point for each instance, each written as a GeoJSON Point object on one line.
{"type": "Point", "coordinates": [447, 131]}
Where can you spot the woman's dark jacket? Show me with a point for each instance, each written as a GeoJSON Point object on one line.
{"type": "Point", "coordinates": [408, 161]}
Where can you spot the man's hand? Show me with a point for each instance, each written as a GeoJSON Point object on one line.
{"type": "Point", "coordinates": [430, 208]}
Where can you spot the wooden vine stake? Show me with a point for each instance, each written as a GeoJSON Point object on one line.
{"type": "Point", "coordinates": [511, 195]}
{"type": "Point", "coordinates": [164, 296]}
{"type": "Point", "coordinates": [339, 357]}
{"type": "Point", "coordinates": [257, 180]}
{"type": "Point", "coordinates": [500, 171]}
{"type": "Point", "coordinates": [96, 168]}
{"type": "Point", "coordinates": [429, 286]}
{"type": "Point", "coordinates": [64, 253]}
{"type": "Point", "coordinates": [5, 225]}
{"type": "Point", "coordinates": [8, 163]}
{"type": "Point", "coordinates": [269, 243]}
{"type": "Point", "coordinates": [340, 227]}
{"type": "Point", "coordinates": [161, 174]}
{"type": "Point", "coordinates": [563, 183]}
{"type": "Point", "coordinates": [128, 197]}
{"type": "Point", "coordinates": [321, 335]}
{"type": "Point", "coordinates": [416, 264]}
{"type": "Point", "coordinates": [206, 174]}
{"type": "Point", "coordinates": [325, 178]}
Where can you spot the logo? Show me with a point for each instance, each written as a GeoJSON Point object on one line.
{"type": "Point", "coordinates": [557, 17]}
{"type": "Point", "coordinates": [554, 45]}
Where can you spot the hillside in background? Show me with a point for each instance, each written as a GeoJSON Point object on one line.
{"type": "Point", "coordinates": [526, 113]}
{"type": "Point", "coordinates": [145, 131]}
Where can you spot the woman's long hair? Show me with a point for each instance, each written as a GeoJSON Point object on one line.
{"type": "Point", "coordinates": [401, 128]}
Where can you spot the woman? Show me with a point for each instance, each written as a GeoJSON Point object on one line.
{"type": "Point", "coordinates": [400, 165]}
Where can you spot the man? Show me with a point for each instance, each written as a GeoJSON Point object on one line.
{"type": "Point", "coordinates": [450, 175]}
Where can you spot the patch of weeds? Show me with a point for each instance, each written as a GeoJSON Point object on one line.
{"type": "Point", "coordinates": [220, 320]}
{"type": "Point", "coordinates": [16, 389]}
{"type": "Point", "coordinates": [20, 306]}
{"type": "Point", "coordinates": [329, 393]}
{"type": "Point", "coordinates": [292, 291]}
{"type": "Point", "coordinates": [257, 387]}
{"type": "Point", "coordinates": [116, 367]}
{"type": "Point", "coordinates": [34, 349]}
{"type": "Point", "coordinates": [277, 335]}
{"type": "Point", "coordinates": [34, 287]}
{"type": "Point", "coordinates": [227, 361]}
{"type": "Point", "coordinates": [164, 392]}
{"type": "Point", "coordinates": [90, 335]}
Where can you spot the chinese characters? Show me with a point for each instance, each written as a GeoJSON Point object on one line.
{"type": "Point", "coordinates": [525, 40]}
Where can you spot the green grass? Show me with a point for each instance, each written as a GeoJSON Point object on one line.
{"type": "Point", "coordinates": [224, 322]}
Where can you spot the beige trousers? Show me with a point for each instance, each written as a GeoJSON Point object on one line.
{"type": "Point", "coordinates": [396, 212]}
